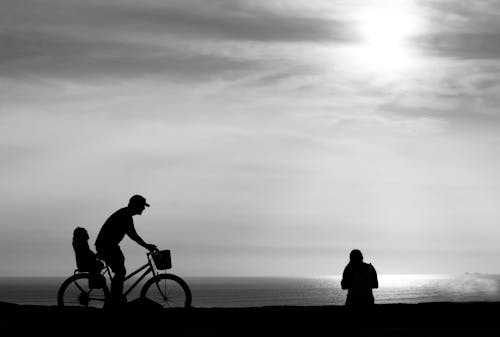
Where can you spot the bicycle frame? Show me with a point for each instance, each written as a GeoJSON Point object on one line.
{"type": "Point", "coordinates": [149, 266]}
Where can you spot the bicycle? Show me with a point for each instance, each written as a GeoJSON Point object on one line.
{"type": "Point", "coordinates": [167, 289]}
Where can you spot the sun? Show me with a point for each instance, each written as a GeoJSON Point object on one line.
{"type": "Point", "coordinates": [385, 35]}
{"type": "Point", "coordinates": [387, 27]}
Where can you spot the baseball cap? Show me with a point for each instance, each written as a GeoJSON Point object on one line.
{"type": "Point", "coordinates": [139, 200]}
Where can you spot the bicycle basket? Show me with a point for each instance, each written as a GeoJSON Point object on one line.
{"type": "Point", "coordinates": [162, 259]}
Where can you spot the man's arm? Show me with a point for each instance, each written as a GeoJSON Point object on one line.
{"type": "Point", "coordinates": [374, 277]}
{"type": "Point", "coordinates": [345, 282]}
{"type": "Point", "coordinates": [134, 236]}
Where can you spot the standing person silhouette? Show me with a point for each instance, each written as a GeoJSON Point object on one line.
{"type": "Point", "coordinates": [111, 234]}
{"type": "Point", "coordinates": [359, 278]}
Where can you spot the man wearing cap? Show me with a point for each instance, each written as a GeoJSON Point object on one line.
{"type": "Point", "coordinates": [111, 234]}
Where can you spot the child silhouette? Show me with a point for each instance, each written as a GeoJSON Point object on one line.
{"type": "Point", "coordinates": [86, 259]}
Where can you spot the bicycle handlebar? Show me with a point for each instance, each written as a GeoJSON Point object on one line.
{"type": "Point", "coordinates": [154, 251]}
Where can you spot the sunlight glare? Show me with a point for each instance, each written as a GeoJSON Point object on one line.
{"type": "Point", "coordinates": [385, 33]}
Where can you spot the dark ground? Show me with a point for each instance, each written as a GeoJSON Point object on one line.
{"type": "Point", "coordinates": [427, 319]}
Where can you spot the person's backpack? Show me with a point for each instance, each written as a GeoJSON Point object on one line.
{"type": "Point", "coordinates": [362, 277]}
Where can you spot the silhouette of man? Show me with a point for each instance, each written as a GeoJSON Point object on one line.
{"type": "Point", "coordinates": [111, 234]}
{"type": "Point", "coordinates": [359, 278]}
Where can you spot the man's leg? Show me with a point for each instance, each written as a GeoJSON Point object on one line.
{"type": "Point", "coordinates": [118, 267]}
{"type": "Point", "coordinates": [96, 280]}
{"type": "Point", "coordinates": [116, 261]}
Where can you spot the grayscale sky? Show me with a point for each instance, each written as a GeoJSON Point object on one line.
{"type": "Point", "coordinates": [271, 137]}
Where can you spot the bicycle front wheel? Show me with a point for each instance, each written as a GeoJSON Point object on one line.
{"type": "Point", "coordinates": [75, 291]}
{"type": "Point", "coordinates": [168, 290]}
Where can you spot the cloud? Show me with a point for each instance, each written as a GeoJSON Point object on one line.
{"type": "Point", "coordinates": [463, 95]}
{"type": "Point", "coordinates": [452, 12]}
{"type": "Point", "coordinates": [462, 45]}
{"type": "Point", "coordinates": [229, 21]}
{"type": "Point", "coordinates": [49, 55]}
{"type": "Point", "coordinates": [462, 30]}
{"type": "Point", "coordinates": [183, 39]}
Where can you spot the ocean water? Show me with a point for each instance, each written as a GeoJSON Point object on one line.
{"type": "Point", "coordinates": [277, 291]}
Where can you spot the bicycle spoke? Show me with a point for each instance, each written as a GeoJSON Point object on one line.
{"type": "Point", "coordinates": [76, 292]}
{"type": "Point", "coordinates": [168, 291]}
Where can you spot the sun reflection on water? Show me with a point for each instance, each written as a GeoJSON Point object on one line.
{"type": "Point", "coordinates": [409, 280]}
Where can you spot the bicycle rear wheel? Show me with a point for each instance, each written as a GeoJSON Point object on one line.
{"type": "Point", "coordinates": [168, 290]}
{"type": "Point", "coordinates": [75, 291]}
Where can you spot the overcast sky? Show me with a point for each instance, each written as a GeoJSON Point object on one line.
{"type": "Point", "coordinates": [270, 137]}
